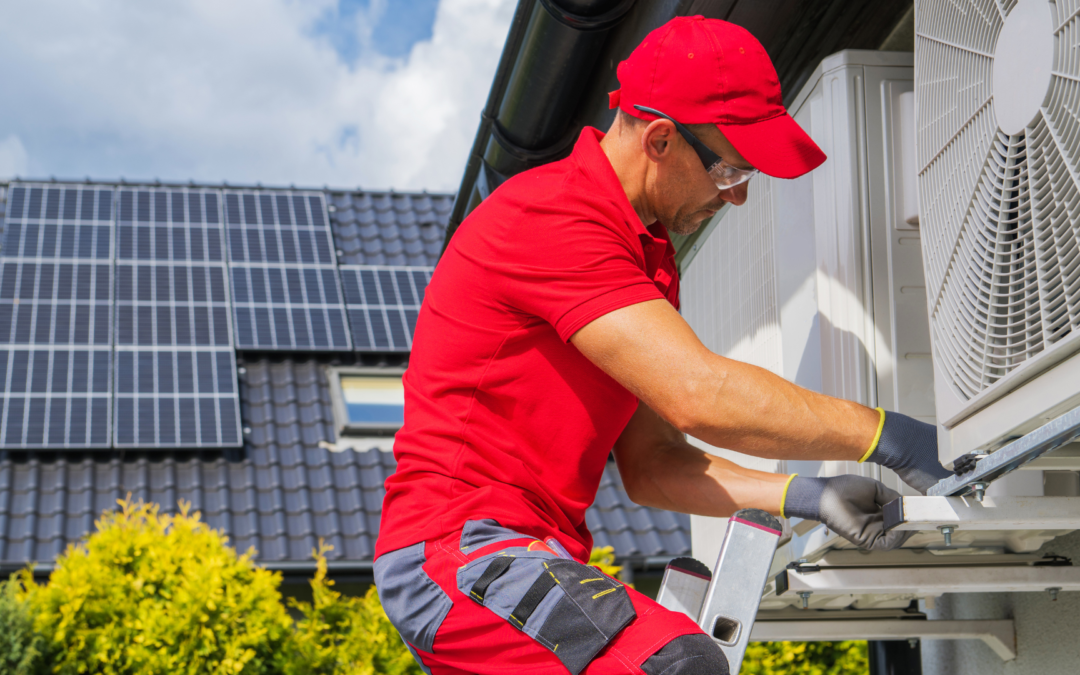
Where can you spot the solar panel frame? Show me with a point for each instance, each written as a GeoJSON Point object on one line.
{"type": "Point", "coordinates": [163, 397]}
{"type": "Point", "coordinates": [286, 292]}
{"type": "Point", "coordinates": [56, 317]}
{"type": "Point", "coordinates": [173, 312]}
{"type": "Point", "coordinates": [61, 302]}
{"type": "Point", "coordinates": [49, 221]}
{"type": "Point", "coordinates": [383, 303]}
{"type": "Point", "coordinates": [55, 397]}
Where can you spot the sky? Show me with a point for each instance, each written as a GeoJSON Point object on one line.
{"type": "Point", "coordinates": [348, 93]}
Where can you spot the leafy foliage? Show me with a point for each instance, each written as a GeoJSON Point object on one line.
{"type": "Point", "coordinates": [20, 646]}
{"type": "Point", "coordinates": [153, 593]}
{"type": "Point", "coordinates": [806, 658]}
{"type": "Point", "coordinates": [603, 559]}
{"type": "Point", "coordinates": [339, 634]}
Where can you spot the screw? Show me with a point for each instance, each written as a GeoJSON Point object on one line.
{"type": "Point", "coordinates": [980, 490]}
{"type": "Point", "coordinates": [1053, 593]}
{"type": "Point", "coordinates": [947, 530]}
{"type": "Point", "coordinates": [805, 595]}
{"type": "Point", "coordinates": [247, 431]}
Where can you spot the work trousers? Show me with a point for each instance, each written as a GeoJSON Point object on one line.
{"type": "Point", "coordinates": [490, 600]}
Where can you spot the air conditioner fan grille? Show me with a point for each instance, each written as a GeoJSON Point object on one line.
{"type": "Point", "coordinates": [1000, 212]}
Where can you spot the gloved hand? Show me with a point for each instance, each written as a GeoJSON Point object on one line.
{"type": "Point", "coordinates": [909, 447]}
{"type": "Point", "coordinates": [848, 505]}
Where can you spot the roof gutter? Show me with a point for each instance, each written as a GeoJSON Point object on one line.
{"type": "Point", "coordinates": [546, 64]}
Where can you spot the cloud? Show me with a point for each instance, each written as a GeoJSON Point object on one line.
{"type": "Point", "coordinates": [244, 91]}
{"type": "Point", "coordinates": [13, 159]}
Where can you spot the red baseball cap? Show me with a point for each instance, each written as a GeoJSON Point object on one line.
{"type": "Point", "coordinates": [708, 71]}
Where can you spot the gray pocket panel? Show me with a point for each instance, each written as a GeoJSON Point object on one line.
{"type": "Point", "coordinates": [412, 601]}
{"type": "Point", "coordinates": [580, 613]}
{"type": "Point", "coordinates": [480, 533]}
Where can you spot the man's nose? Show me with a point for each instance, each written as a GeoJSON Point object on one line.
{"type": "Point", "coordinates": [735, 195]}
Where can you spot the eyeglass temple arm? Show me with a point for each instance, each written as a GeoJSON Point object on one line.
{"type": "Point", "coordinates": [708, 157]}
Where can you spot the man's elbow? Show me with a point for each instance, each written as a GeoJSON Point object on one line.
{"type": "Point", "coordinates": [689, 416]}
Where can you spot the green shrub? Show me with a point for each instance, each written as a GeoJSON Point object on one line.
{"type": "Point", "coordinates": [806, 658]}
{"type": "Point", "coordinates": [603, 559]}
{"type": "Point", "coordinates": [20, 645]}
{"type": "Point", "coordinates": [344, 635]}
{"type": "Point", "coordinates": [152, 593]}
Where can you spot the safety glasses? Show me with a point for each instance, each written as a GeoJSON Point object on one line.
{"type": "Point", "coordinates": [723, 174]}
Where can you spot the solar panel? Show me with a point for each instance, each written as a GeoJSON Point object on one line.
{"type": "Point", "coordinates": [178, 224]}
{"type": "Point", "coordinates": [45, 221]}
{"type": "Point", "coordinates": [54, 302]}
{"type": "Point", "coordinates": [383, 304]}
{"type": "Point", "coordinates": [55, 398]}
{"type": "Point", "coordinates": [286, 291]}
{"type": "Point", "coordinates": [175, 369]}
{"type": "Point", "coordinates": [176, 398]}
{"type": "Point", "coordinates": [56, 316]}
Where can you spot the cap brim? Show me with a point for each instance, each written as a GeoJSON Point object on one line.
{"type": "Point", "coordinates": [777, 146]}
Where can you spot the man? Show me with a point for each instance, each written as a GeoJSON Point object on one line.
{"type": "Point", "coordinates": [550, 335]}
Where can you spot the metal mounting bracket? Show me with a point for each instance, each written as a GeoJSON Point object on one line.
{"type": "Point", "coordinates": [1000, 636]}
{"type": "Point", "coordinates": [993, 513]}
{"type": "Point", "coordinates": [936, 580]}
{"type": "Point", "coordinates": [1011, 457]}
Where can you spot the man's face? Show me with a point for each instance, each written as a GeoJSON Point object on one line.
{"type": "Point", "coordinates": [684, 196]}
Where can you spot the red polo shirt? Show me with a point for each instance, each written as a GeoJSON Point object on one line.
{"type": "Point", "coordinates": [504, 418]}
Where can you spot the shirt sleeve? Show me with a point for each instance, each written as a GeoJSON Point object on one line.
{"type": "Point", "coordinates": [579, 271]}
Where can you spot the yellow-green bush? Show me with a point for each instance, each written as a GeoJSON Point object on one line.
{"type": "Point", "coordinates": [339, 634]}
{"type": "Point", "coordinates": [603, 559]}
{"type": "Point", "coordinates": [806, 658]}
{"type": "Point", "coordinates": [153, 593]}
{"type": "Point", "coordinates": [150, 593]}
{"type": "Point", "coordinates": [20, 645]}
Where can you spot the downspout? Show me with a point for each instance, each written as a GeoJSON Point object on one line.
{"type": "Point", "coordinates": [546, 64]}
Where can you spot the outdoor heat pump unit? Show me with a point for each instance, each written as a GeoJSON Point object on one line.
{"type": "Point", "coordinates": [998, 153]}
{"type": "Point", "coordinates": [932, 267]}
{"type": "Point", "coordinates": [819, 279]}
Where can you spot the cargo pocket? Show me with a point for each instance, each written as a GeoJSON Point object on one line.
{"type": "Point", "coordinates": [571, 609]}
{"type": "Point", "coordinates": [412, 601]}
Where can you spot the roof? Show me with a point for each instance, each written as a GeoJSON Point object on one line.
{"type": "Point", "coordinates": [290, 484]}
{"type": "Point", "coordinates": [284, 492]}
{"type": "Point", "coordinates": [387, 228]}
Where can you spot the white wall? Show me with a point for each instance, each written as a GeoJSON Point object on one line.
{"type": "Point", "coordinates": [1048, 633]}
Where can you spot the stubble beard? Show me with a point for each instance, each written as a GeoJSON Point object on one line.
{"type": "Point", "coordinates": [685, 224]}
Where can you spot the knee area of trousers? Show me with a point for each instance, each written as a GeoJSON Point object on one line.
{"type": "Point", "coordinates": [688, 655]}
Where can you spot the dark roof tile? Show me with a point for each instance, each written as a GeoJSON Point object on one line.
{"type": "Point", "coordinates": [387, 228]}
{"type": "Point", "coordinates": [286, 491]}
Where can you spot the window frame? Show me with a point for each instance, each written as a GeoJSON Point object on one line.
{"type": "Point", "coordinates": [343, 427]}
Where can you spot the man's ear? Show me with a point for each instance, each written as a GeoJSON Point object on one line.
{"type": "Point", "coordinates": [657, 138]}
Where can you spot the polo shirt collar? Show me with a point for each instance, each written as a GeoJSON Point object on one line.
{"type": "Point", "coordinates": [655, 243]}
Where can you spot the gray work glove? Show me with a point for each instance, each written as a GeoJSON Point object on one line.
{"type": "Point", "coordinates": [909, 447]}
{"type": "Point", "coordinates": [849, 506]}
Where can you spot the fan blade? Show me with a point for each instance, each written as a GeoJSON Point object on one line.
{"type": "Point", "coordinates": [1055, 213]}
{"type": "Point", "coordinates": [956, 85]}
{"type": "Point", "coordinates": [966, 24]}
{"type": "Point", "coordinates": [946, 187]}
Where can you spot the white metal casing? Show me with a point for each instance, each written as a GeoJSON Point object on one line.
{"type": "Point", "coordinates": [819, 279]}
{"type": "Point", "coordinates": [999, 187]}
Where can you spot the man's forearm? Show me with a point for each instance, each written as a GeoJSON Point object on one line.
{"type": "Point", "coordinates": [683, 478]}
{"type": "Point", "coordinates": [752, 410]}
{"type": "Point", "coordinates": [651, 350]}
